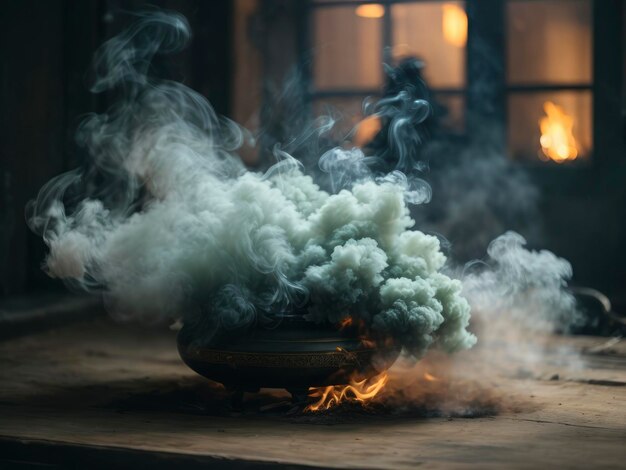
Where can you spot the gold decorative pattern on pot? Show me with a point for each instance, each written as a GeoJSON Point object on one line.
{"type": "Point", "coordinates": [336, 359]}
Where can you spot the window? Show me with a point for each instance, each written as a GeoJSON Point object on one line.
{"type": "Point", "coordinates": [351, 39]}
{"type": "Point", "coordinates": [541, 53]}
{"type": "Point", "coordinates": [549, 79]}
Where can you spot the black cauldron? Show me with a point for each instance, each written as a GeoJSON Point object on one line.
{"type": "Point", "coordinates": [294, 355]}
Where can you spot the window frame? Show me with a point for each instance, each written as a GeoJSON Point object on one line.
{"type": "Point", "coordinates": [486, 64]}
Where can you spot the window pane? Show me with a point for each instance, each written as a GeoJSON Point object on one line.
{"type": "Point", "coordinates": [435, 32]}
{"type": "Point", "coordinates": [550, 125]}
{"type": "Point", "coordinates": [347, 49]}
{"type": "Point", "coordinates": [450, 112]}
{"type": "Point", "coordinates": [549, 42]}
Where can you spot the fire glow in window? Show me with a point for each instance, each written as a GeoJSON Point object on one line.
{"type": "Point", "coordinates": [549, 80]}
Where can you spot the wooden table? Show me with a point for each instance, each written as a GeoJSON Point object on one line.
{"type": "Point", "coordinates": [99, 394]}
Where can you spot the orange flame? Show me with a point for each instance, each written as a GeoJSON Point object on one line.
{"type": "Point", "coordinates": [357, 391]}
{"type": "Point", "coordinates": [430, 377]}
{"type": "Point", "coordinates": [557, 141]}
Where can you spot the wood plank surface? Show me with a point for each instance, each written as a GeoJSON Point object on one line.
{"type": "Point", "coordinates": [104, 386]}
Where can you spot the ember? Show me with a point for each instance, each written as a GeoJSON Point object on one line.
{"type": "Point", "coordinates": [345, 323]}
{"type": "Point", "coordinates": [430, 377]}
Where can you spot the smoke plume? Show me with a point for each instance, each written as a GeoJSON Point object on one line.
{"type": "Point", "coordinates": [166, 222]}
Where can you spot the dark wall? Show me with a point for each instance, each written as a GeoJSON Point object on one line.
{"type": "Point", "coordinates": [45, 52]}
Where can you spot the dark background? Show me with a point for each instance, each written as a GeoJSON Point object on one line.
{"type": "Point", "coordinates": [46, 47]}
{"type": "Point", "coordinates": [46, 51]}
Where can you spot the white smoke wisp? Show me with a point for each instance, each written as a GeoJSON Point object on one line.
{"type": "Point", "coordinates": [527, 284]}
{"type": "Point", "coordinates": [173, 226]}
{"type": "Point", "coordinates": [519, 300]}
